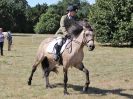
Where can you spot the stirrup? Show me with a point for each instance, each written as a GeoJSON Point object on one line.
{"type": "Point", "coordinates": [56, 57]}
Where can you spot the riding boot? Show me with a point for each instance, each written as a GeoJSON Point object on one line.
{"type": "Point", "coordinates": [57, 54]}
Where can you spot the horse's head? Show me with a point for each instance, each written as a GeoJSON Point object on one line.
{"type": "Point", "coordinates": [88, 35]}
{"type": "Point", "coordinates": [88, 38]}
{"type": "Point", "coordinates": [83, 28]}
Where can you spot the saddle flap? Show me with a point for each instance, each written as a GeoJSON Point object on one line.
{"type": "Point", "coordinates": [51, 47]}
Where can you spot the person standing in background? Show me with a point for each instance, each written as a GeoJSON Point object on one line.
{"type": "Point", "coordinates": [9, 38]}
{"type": "Point", "coordinates": [1, 41]}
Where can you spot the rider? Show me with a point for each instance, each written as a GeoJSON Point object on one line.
{"type": "Point", "coordinates": [65, 22]}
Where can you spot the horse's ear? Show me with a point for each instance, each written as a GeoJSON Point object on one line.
{"type": "Point", "coordinates": [84, 27]}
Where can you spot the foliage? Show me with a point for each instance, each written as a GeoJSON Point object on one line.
{"type": "Point", "coordinates": [83, 10]}
{"type": "Point", "coordinates": [33, 14]}
{"type": "Point", "coordinates": [18, 16]}
{"type": "Point", "coordinates": [11, 12]}
{"type": "Point", "coordinates": [112, 20]}
{"type": "Point", "coordinates": [48, 22]}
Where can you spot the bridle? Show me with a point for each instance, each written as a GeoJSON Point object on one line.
{"type": "Point", "coordinates": [84, 41]}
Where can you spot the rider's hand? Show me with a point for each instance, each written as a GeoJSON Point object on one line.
{"type": "Point", "coordinates": [68, 36]}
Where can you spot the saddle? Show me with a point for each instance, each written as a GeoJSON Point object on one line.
{"type": "Point", "coordinates": [51, 47]}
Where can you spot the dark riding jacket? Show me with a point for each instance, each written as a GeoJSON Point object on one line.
{"type": "Point", "coordinates": [65, 23]}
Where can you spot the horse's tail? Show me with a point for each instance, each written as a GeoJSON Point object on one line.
{"type": "Point", "coordinates": [45, 65]}
{"type": "Point", "coordinates": [55, 70]}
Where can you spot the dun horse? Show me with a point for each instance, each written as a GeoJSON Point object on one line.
{"type": "Point", "coordinates": [72, 55]}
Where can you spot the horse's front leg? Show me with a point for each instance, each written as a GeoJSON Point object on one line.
{"type": "Point", "coordinates": [65, 81]}
{"type": "Point", "coordinates": [82, 68]}
{"type": "Point", "coordinates": [85, 89]}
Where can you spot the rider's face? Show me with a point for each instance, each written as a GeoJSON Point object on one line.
{"type": "Point", "coordinates": [1, 30]}
{"type": "Point", "coordinates": [72, 13]}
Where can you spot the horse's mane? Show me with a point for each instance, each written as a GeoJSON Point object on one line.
{"type": "Point", "coordinates": [76, 28]}
{"type": "Point", "coordinates": [85, 24]}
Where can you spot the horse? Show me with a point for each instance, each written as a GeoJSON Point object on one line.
{"type": "Point", "coordinates": [72, 56]}
{"type": "Point", "coordinates": [8, 36]}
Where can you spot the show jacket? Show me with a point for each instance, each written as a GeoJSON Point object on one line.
{"type": "Point", "coordinates": [65, 23]}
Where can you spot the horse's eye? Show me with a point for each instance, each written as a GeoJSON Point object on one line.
{"type": "Point", "coordinates": [87, 34]}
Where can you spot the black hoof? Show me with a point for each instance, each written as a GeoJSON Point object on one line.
{"type": "Point", "coordinates": [66, 93]}
{"type": "Point", "coordinates": [49, 86]}
{"type": "Point", "coordinates": [29, 82]}
{"type": "Point", "coordinates": [85, 89]}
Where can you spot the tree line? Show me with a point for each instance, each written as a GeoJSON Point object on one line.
{"type": "Point", "coordinates": [18, 16]}
{"type": "Point", "coordinates": [112, 20]}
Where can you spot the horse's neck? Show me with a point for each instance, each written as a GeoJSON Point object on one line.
{"type": "Point", "coordinates": [78, 42]}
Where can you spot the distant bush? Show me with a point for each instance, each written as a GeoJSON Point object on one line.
{"type": "Point", "coordinates": [113, 21]}
{"type": "Point", "coordinates": [48, 22]}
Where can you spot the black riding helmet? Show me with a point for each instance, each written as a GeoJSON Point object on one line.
{"type": "Point", "coordinates": [71, 8]}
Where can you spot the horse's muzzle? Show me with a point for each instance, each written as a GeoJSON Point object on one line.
{"type": "Point", "coordinates": [91, 47]}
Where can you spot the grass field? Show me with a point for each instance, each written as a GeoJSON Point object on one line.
{"type": "Point", "coordinates": [111, 73]}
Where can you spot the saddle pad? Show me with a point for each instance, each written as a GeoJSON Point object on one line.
{"type": "Point", "coordinates": [50, 49]}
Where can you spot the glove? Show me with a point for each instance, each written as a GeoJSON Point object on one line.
{"type": "Point", "coordinates": [68, 36]}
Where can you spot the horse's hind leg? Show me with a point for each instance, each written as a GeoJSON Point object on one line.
{"type": "Point", "coordinates": [34, 69]}
{"type": "Point", "coordinates": [32, 72]}
{"type": "Point", "coordinates": [45, 67]}
{"type": "Point", "coordinates": [82, 68]}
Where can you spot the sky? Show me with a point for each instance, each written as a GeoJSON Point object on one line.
{"type": "Point", "coordinates": [32, 3]}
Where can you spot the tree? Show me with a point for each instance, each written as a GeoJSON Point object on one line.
{"type": "Point", "coordinates": [11, 12]}
{"type": "Point", "coordinates": [33, 14]}
{"type": "Point", "coordinates": [48, 22]}
{"type": "Point", "coordinates": [112, 21]}
{"type": "Point", "coordinates": [83, 10]}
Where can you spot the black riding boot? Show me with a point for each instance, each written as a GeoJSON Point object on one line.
{"type": "Point", "coordinates": [57, 54]}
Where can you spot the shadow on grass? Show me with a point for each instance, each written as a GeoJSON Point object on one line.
{"type": "Point", "coordinates": [22, 35]}
{"type": "Point", "coordinates": [118, 46]}
{"type": "Point", "coordinates": [98, 91]}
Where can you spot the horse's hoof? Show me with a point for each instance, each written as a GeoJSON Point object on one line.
{"type": "Point", "coordinates": [66, 93]}
{"type": "Point", "coordinates": [29, 82]}
{"type": "Point", "coordinates": [85, 89]}
{"type": "Point", "coordinates": [49, 86]}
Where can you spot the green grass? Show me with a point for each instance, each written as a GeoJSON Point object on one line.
{"type": "Point", "coordinates": [111, 73]}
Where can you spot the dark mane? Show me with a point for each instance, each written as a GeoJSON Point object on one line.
{"type": "Point", "coordinates": [85, 24]}
{"type": "Point", "coordinates": [76, 29]}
